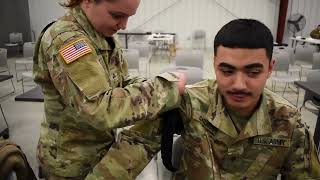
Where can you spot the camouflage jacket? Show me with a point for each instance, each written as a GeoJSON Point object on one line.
{"type": "Point", "coordinates": [274, 141]}
{"type": "Point", "coordinates": [87, 94]}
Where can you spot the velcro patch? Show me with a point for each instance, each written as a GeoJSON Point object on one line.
{"type": "Point", "coordinates": [269, 141]}
{"type": "Point", "coordinates": [75, 50]}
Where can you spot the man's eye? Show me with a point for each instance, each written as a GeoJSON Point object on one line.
{"type": "Point", "coordinates": [227, 72]}
{"type": "Point", "coordinates": [253, 73]}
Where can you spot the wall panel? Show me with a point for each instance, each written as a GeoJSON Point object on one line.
{"type": "Point", "coordinates": [179, 16]}
{"type": "Point", "coordinates": [185, 16]}
{"type": "Point", "coordinates": [42, 12]}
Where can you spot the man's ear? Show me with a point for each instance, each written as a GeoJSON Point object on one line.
{"type": "Point", "coordinates": [271, 66]}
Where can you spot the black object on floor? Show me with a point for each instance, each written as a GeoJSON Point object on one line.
{"type": "Point", "coordinates": [5, 132]}
{"type": "Point", "coordinates": [33, 95]}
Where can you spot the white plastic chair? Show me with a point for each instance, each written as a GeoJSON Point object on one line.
{"type": "Point", "coordinates": [15, 42]}
{"type": "Point", "coordinates": [293, 68]}
{"type": "Point", "coordinates": [3, 61]}
{"type": "Point", "coordinates": [28, 49]}
{"type": "Point", "coordinates": [28, 52]}
{"type": "Point", "coordinates": [143, 47]}
{"type": "Point", "coordinates": [132, 56]}
{"type": "Point", "coordinates": [5, 69]}
{"type": "Point", "coordinates": [192, 58]}
{"type": "Point", "coordinates": [16, 37]}
{"type": "Point", "coordinates": [189, 62]}
{"type": "Point", "coordinates": [304, 56]}
{"type": "Point", "coordinates": [145, 54]}
{"type": "Point", "coordinates": [281, 71]}
{"type": "Point", "coordinates": [25, 75]}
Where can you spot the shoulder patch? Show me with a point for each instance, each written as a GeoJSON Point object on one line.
{"type": "Point", "coordinates": [75, 50]}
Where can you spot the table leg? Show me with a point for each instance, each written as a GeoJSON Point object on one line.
{"type": "Point", "coordinates": [316, 136]}
{"type": "Point", "coordinates": [126, 36]}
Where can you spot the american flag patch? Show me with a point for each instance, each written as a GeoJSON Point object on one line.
{"type": "Point", "coordinates": [75, 50]}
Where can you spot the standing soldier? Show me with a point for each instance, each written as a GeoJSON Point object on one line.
{"type": "Point", "coordinates": [234, 128]}
{"type": "Point", "coordinates": [87, 91]}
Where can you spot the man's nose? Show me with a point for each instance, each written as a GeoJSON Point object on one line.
{"type": "Point", "coordinates": [240, 81]}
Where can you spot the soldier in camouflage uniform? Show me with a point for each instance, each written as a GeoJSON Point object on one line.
{"type": "Point", "coordinates": [87, 90]}
{"type": "Point", "coordinates": [234, 128]}
{"type": "Point", "coordinates": [315, 34]}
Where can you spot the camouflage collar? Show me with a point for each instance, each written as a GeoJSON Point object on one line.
{"type": "Point", "coordinates": [258, 124]}
{"type": "Point", "coordinates": [94, 36]}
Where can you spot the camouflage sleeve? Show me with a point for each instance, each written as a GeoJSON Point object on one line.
{"type": "Point", "coordinates": [136, 147]}
{"type": "Point", "coordinates": [303, 160]}
{"type": "Point", "coordinates": [86, 87]}
{"type": "Point", "coordinates": [133, 79]}
{"type": "Point", "coordinates": [127, 158]}
{"type": "Point", "coordinates": [186, 107]}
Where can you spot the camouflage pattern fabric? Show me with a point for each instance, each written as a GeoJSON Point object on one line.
{"type": "Point", "coordinates": [127, 158]}
{"type": "Point", "coordinates": [315, 34]}
{"type": "Point", "coordinates": [87, 94]}
{"type": "Point", "coordinates": [273, 141]}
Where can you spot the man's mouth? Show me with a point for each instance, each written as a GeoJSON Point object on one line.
{"type": "Point", "coordinates": [238, 96]}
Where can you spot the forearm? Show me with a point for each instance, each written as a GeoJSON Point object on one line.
{"type": "Point", "coordinates": [128, 157]}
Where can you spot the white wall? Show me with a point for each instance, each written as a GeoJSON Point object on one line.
{"type": "Point", "coordinates": [184, 16]}
{"type": "Point", "coordinates": [310, 9]}
{"type": "Point", "coordinates": [179, 16]}
{"type": "Point", "coordinates": [42, 12]}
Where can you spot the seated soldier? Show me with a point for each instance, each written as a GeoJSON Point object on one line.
{"type": "Point", "coordinates": [234, 128]}
{"type": "Point", "coordinates": [315, 34]}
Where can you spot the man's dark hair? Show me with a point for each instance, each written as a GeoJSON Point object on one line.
{"type": "Point", "coordinates": [245, 33]}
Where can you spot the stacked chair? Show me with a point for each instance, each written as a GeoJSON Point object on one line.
{"type": "Point", "coordinates": [4, 76]}
{"type": "Point", "coordinates": [189, 62]}
{"type": "Point", "coordinates": [281, 72]}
